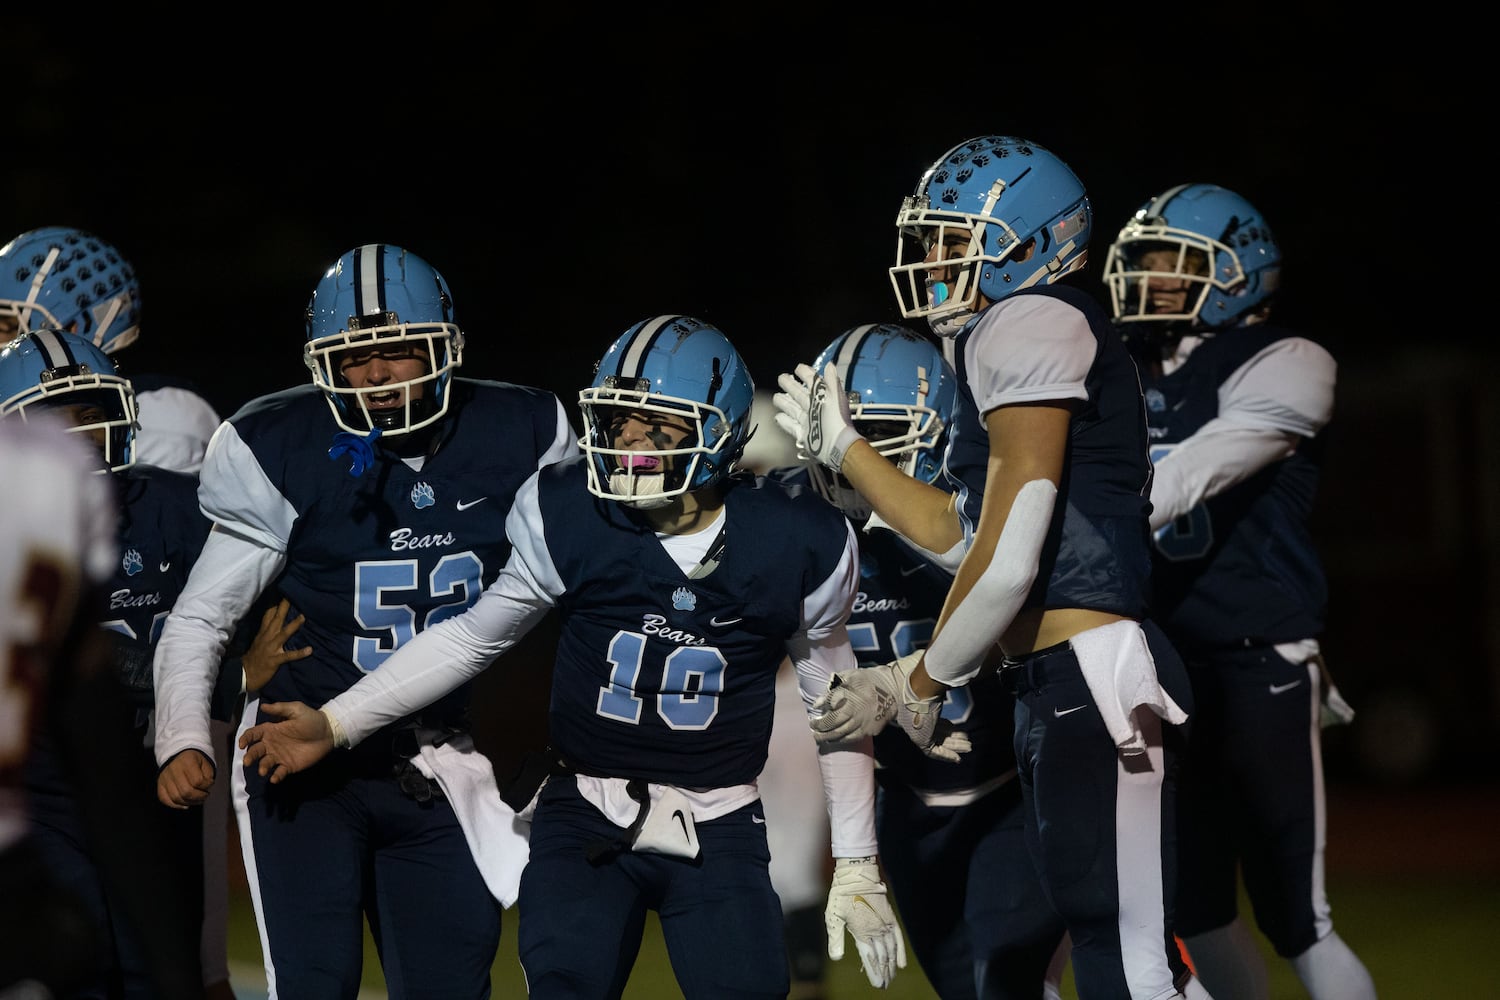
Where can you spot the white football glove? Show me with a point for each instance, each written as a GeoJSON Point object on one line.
{"type": "Point", "coordinates": [858, 703]}
{"type": "Point", "coordinates": [814, 411]}
{"type": "Point", "coordinates": [861, 702]}
{"type": "Point", "coordinates": [857, 903]}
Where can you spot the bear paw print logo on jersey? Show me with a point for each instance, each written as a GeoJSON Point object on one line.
{"type": "Point", "coordinates": [684, 599]}
{"type": "Point", "coordinates": [422, 496]}
{"type": "Point", "coordinates": [132, 563]}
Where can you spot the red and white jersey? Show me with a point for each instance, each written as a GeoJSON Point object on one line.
{"type": "Point", "coordinates": [60, 522]}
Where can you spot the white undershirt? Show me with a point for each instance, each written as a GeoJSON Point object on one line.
{"type": "Point", "coordinates": [687, 551]}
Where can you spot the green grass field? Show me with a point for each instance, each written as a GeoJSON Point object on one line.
{"type": "Point", "coordinates": [1414, 882]}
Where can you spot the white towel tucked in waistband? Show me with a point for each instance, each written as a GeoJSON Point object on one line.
{"type": "Point", "coordinates": [497, 837]}
{"type": "Point", "coordinates": [1121, 675]}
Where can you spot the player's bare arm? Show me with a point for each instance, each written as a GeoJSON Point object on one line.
{"type": "Point", "coordinates": [1028, 442]}
{"type": "Point", "coordinates": [919, 511]}
{"type": "Point", "coordinates": [812, 408]}
{"type": "Point", "coordinates": [268, 650]}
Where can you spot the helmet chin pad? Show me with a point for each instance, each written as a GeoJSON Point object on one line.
{"type": "Point", "coordinates": [645, 480]}
{"type": "Point", "coordinates": [948, 324]}
{"type": "Point", "coordinates": [644, 492]}
{"type": "Point", "coordinates": [399, 419]}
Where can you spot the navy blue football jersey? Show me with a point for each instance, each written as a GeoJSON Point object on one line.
{"type": "Point", "coordinates": [1097, 554]}
{"type": "Point", "coordinates": [1241, 565]}
{"type": "Point", "coordinates": [161, 532]}
{"type": "Point", "coordinates": [374, 558]}
{"type": "Point", "coordinates": [664, 677]}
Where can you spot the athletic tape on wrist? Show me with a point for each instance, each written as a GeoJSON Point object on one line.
{"type": "Point", "coordinates": [340, 738]}
{"type": "Point", "coordinates": [851, 862]}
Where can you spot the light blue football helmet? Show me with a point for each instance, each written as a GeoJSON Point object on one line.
{"type": "Point", "coordinates": [674, 365]}
{"type": "Point", "coordinates": [983, 200]}
{"type": "Point", "coordinates": [1206, 236]}
{"type": "Point", "coordinates": [47, 369]}
{"type": "Point", "coordinates": [901, 394]}
{"type": "Point", "coordinates": [60, 278]}
{"type": "Point", "coordinates": [379, 296]}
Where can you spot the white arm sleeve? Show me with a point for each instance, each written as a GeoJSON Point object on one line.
{"type": "Point", "coordinates": [948, 561]}
{"type": "Point", "coordinates": [228, 576]}
{"type": "Point", "coordinates": [1276, 398]}
{"type": "Point", "coordinates": [959, 649]}
{"type": "Point", "coordinates": [818, 652]}
{"type": "Point", "coordinates": [244, 552]}
{"type": "Point", "coordinates": [440, 658]}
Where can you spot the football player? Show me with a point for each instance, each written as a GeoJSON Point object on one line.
{"type": "Point", "coordinates": [374, 501]}
{"type": "Point", "coordinates": [681, 586]}
{"type": "Point", "coordinates": [64, 278]}
{"type": "Point", "coordinates": [160, 535]}
{"type": "Point", "coordinates": [59, 554]}
{"type": "Point", "coordinates": [1049, 470]}
{"type": "Point", "coordinates": [950, 831]}
{"type": "Point", "coordinates": [1236, 407]}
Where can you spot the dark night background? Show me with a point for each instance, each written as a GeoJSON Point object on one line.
{"type": "Point", "coordinates": [571, 175]}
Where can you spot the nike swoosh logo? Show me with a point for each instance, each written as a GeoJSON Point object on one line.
{"type": "Point", "coordinates": [466, 504]}
{"type": "Point", "coordinates": [757, 819]}
{"type": "Point", "coordinates": [677, 815]}
{"type": "Point", "coordinates": [909, 570]}
{"type": "Point", "coordinates": [165, 566]}
{"type": "Point", "coordinates": [1279, 688]}
{"type": "Point", "coordinates": [714, 621]}
{"type": "Point", "coordinates": [1058, 713]}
